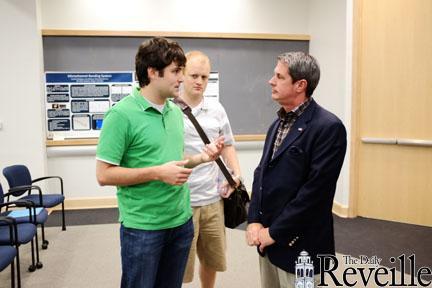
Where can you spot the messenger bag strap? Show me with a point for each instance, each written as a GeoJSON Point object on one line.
{"type": "Point", "coordinates": [188, 111]}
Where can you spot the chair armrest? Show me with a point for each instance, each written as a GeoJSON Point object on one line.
{"type": "Point", "coordinates": [26, 187]}
{"type": "Point", "coordinates": [23, 203]}
{"type": "Point", "coordinates": [7, 220]}
{"type": "Point", "coordinates": [51, 177]}
{"type": "Point", "coordinates": [18, 203]}
{"type": "Point", "coordinates": [17, 189]}
{"type": "Point", "coordinates": [23, 188]}
{"type": "Point", "coordinates": [46, 177]}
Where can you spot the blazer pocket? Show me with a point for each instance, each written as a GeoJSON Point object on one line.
{"type": "Point", "coordinates": [295, 151]}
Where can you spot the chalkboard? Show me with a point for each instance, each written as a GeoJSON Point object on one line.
{"type": "Point", "coordinates": [244, 67]}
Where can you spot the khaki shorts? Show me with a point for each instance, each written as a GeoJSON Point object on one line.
{"type": "Point", "coordinates": [209, 239]}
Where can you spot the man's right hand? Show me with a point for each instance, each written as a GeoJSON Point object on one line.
{"type": "Point", "coordinates": [252, 233]}
{"type": "Point", "coordinates": [174, 173]}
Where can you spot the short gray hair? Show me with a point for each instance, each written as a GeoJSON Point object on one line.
{"type": "Point", "coordinates": [302, 66]}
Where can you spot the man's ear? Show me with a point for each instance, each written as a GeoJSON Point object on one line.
{"type": "Point", "coordinates": [301, 85]}
{"type": "Point", "coordinates": [152, 72]}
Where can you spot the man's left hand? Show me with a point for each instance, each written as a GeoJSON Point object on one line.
{"type": "Point", "coordinates": [265, 239]}
{"type": "Point", "coordinates": [227, 189]}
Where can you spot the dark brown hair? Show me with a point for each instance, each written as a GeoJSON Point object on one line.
{"type": "Point", "coordinates": [157, 53]}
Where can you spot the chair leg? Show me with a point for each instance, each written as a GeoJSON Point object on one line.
{"type": "Point", "coordinates": [32, 267]}
{"type": "Point", "coordinates": [63, 218]}
{"type": "Point", "coordinates": [13, 274]}
{"type": "Point", "coordinates": [39, 264]}
{"type": "Point", "coordinates": [44, 241]}
{"type": "Point", "coordinates": [18, 269]}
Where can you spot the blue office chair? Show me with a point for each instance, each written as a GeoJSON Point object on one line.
{"type": "Point", "coordinates": [20, 182]}
{"type": "Point", "coordinates": [22, 215]}
{"type": "Point", "coordinates": [8, 251]}
{"type": "Point", "coordinates": [26, 232]}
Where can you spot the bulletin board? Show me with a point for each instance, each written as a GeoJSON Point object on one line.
{"type": "Point", "coordinates": [244, 66]}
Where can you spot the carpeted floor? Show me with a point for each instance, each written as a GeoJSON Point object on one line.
{"type": "Point", "coordinates": [358, 236]}
{"type": "Point", "coordinates": [88, 255]}
{"type": "Point", "coordinates": [385, 239]}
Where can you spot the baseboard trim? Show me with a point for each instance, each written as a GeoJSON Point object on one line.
{"type": "Point", "coordinates": [340, 210]}
{"type": "Point", "coordinates": [88, 203]}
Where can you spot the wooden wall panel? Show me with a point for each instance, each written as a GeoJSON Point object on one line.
{"type": "Point", "coordinates": [393, 98]}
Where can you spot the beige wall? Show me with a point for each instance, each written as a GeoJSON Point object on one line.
{"type": "Point", "coordinates": [237, 16]}
{"type": "Point", "coordinates": [241, 16]}
{"type": "Point", "coordinates": [330, 27]}
{"type": "Point", "coordinates": [22, 136]}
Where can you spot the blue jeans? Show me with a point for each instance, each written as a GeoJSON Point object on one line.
{"type": "Point", "coordinates": [155, 258]}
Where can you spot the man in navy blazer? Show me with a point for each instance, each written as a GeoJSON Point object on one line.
{"type": "Point", "coordinates": [295, 181]}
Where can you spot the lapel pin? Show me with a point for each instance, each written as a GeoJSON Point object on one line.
{"type": "Point", "coordinates": [300, 129]}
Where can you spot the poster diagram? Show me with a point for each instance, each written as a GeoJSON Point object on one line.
{"type": "Point", "coordinates": [212, 90]}
{"type": "Point", "coordinates": [77, 101]}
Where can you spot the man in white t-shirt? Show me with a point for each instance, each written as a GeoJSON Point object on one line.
{"type": "Point", "coordinates": [208, 218]}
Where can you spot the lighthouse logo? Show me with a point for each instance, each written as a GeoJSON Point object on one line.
{"type": "Point", "coordinates": [304, 271]}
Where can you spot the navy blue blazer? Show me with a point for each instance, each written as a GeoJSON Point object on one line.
{"type": "Point", "coordinates": [293, 192]}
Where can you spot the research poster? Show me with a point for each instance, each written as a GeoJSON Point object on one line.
{"type": "Point", "coordinates": [212, 90]}
{"type": "Point", "coordinates": [77, 101]}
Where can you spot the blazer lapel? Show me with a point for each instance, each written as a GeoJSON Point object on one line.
{"type": "Point", "coordinates": [268, 151]}
{"type": "Point", "coordinates": [299, 127]}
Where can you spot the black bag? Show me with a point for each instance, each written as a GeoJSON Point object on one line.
{"type": "Point", "coordinates": [236, 205]}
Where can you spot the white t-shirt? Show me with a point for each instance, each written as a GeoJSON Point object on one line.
{"type": "Point", "coordinates": [203, 182]}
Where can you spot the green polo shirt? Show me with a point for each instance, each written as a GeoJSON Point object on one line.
{"type": "Point", "coordinates": [136, 135]}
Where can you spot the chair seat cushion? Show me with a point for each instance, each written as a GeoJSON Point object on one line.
{"type": "Point", "coordinates": [49, 200]}
{"type": "Point", "coordinates": [26, 232]}
{"type": "Point", "coordinates": [41, 217]}
{"type": "Point", "coordinates": [7, 253]}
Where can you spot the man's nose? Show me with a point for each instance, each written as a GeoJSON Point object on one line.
{"type": "Point", "coordinates": [271, 82]}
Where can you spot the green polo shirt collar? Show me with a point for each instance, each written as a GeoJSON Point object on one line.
{"type": "Point", "coordinates": [146, 105]}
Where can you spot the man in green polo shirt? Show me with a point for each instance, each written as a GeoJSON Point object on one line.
{"type": "Point", "coordinates": [140, 151]}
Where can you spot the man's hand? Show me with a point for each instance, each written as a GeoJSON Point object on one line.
{"type": "Point", "coordinates": [227, 189]}
{"type": "Point", "coordinates": [252, 234]}
{"type": "Point", "coordinates": [265, 239]}
{"type": "Point", "coordinates": [212, 151]}
{"type": "Point", "coordinates": [174, 173]}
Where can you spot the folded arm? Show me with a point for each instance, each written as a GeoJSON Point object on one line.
{"type": "Point", "coordinates": [172, 173]}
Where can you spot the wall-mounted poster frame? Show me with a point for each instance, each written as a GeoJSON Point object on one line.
{"type": "Point", "coordinates": [76, 101]}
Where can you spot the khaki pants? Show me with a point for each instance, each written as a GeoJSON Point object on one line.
{"type": "Point", "coordinates": [274, 277]}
